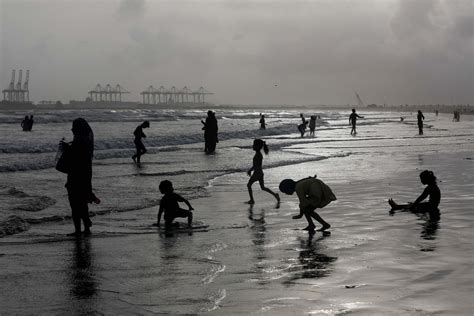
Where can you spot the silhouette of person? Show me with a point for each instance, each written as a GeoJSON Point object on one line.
{"type": "Point", "coordinates": [262, 121]}
{"type": "Point", "coordinates": [257, 169]}
{"type": "Point", "coordinates": [79, 178]}
{"type": "Point", "coordinates": [312, 194]}
{"type": "Point", "coordinates": [432, 191]}
{"type": "Point", "coordinates": [141, 150]}
{"type": "Point", "coordinates": [210, 132]}
{"type": "Point", "coordinates": [169, 205]}
{"type": "Point", "coordinates": [25, 123]}
{"type": "Point", "coordinates": [312, 125]}
{"type": "Point", "coordinates": [302, 126]}
{"type": "Point", "coordinates": [30, 123]}
{"type": "Point", "coordinates": [420, 118]}
{"type": "Point", "coordinates": [353, 121]}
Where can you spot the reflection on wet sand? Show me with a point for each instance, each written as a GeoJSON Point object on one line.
{"type": "Point", "coordinates": [258, 239]}
{"type": "Point", "coordinates": [313, 262]}
{"type": "Point", "coordinates": [82, 279]}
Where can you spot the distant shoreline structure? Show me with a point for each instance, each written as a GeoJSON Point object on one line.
{"type": "Point", "coordinates": [72, 105]}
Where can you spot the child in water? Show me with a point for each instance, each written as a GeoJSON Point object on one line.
{"type": "Point", "coordinates": [257, 169]}
{"type": "Point", "coordinates": [432, 190]}
{"type": "Point", "coordinates": [313, 194]}
{"type": "Point", "coordinates": [169, 205]}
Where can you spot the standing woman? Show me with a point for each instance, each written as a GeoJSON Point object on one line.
{"type": "Point", "coordinates": [257, 169]}
{"type": "Point", "coordinates": [79, 178]}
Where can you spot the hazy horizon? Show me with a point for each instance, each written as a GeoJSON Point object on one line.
{"type": "Point", "coordinates": [246, 52]}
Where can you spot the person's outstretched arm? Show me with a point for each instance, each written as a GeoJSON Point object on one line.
{"type": "Point", "coordinates": [423, 196]}
{"type": "Point", "coordinates": [182, 199]}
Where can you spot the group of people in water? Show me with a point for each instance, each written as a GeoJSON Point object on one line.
{"type": "Point", "coordinates": [312, 193]}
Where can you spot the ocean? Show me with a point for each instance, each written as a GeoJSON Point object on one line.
{"type": "Point", "coordinates": [245, 260]}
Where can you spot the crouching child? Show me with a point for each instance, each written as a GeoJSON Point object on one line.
{"type": "Point", "coordinates": [312, 194]}
{"type": "Point", "coordinates": [170, 206]}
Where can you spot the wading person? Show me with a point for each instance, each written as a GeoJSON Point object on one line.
{"type": "Point", "coordinates": [170, 206]}
{"type": "Point", "coordinates": [353, 121]}
{"type": "Point", "coordinates": [257, 169]}
{"type": "Point", "coordinates": [140, 148]}
{"type": "Point", "coordinates": [79, 178]}
{"type": "Point", "coordinates": [420, 119]}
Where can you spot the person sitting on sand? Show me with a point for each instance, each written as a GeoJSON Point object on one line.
{"type": "Point", "coordinates": [312, 193]}
{"type": "Point", "coordinates": [169, 205]}
{"type": "Point", "coordinates": [432, 190]}
{"type": "Point", "coordinates": [257, 169]}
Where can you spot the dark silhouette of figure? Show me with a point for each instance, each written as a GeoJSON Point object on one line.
{"type": "Point", "coordinates": [79, 178]}
{"type": "Point", "coordinates": [353, 121]}
{"type": "Point", "coordinates": [25, 123]}
{"type": "Point", "coordinates": [141, 150]}
{"type": "Point", "coordinates": [432, 191]}
{"type": "Point", "coordinates": [262, 121]}
{"type": "Point", "coordinates": [31, 122]}
{"type": "Point", "coordinates": [302, 126]}
{"type": "Point", "coordinates": [312, 125]}
{"type": "Point", "coordinates": [437, 112]}
{"type": "Point", "coordinates": [169, 205]}
{"type": "Point", "coordinates": [210, 132]}
{"type": "Point", "coordinates": [420, 118]}
{"type": "Point", "coordinates": [257, 169]}
{"type": "Point", "coordinates": [312, 194]}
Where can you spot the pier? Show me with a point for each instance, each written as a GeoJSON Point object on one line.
{"type": "Point", "coordinates": [174, 96]}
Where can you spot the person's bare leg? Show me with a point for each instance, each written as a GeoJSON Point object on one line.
{"type": "Point", "coordinates": [249, 187]}
{"type": "Point", "coordinates": [396, 206]}
{"type": "Point", "coordinates": [190, 220]}
{"type": "Point", "coordinates": [311, 225]}
{"type": "Point", "coordinates": [320, 220]}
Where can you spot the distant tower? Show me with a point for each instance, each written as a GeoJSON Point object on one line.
{"type": "Point", "coordinates": [17, 93]}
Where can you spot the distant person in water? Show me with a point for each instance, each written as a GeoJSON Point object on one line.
{"type": "Point", "coordinates": [79, 178]}
{"type": "Point", "coordinates": [432, 191]}
{"type": "Point", "coordinates": [210, 133]}
{"type": "Point", "coordinates": [353, 121]}
{"type": "Point", "coordinates": [420, 119]}
{"type": "Point", "coordinates": [140, 148]}
{"type": "Point", "coordinates": [262, 121]}
{"type": "Point", "coordinates": [312, 194]}
{"type": "Point", "coordinates": [302, 126]}
{"type": "Point", "coordinates": [32, 121]}
{"type": "Point", "coordinates": [25, 123]}
{"type": "Point", "coordinates": [312, 125]}
{"type": "Point", "coordinates": [170, 206]}
{"type": "Point", "coordinates": [257, 170]}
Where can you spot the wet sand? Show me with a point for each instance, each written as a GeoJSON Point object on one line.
{"type": "Point", "coordinates": [257, 260]}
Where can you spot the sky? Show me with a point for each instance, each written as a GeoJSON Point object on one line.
{"type": "Point", "coordinates": [246, 52]}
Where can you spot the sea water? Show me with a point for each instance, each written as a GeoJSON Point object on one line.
{"type": "Point", "coordinates": [249, 259]}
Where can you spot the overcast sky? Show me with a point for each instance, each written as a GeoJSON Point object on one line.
{"type": "Point", "coordinates": [246, 52]}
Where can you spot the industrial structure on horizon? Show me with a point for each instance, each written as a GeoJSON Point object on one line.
{"type": "Point", "coordinates": [17, 93]}
{"type": "Point", "coordinates": [173, 95]}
